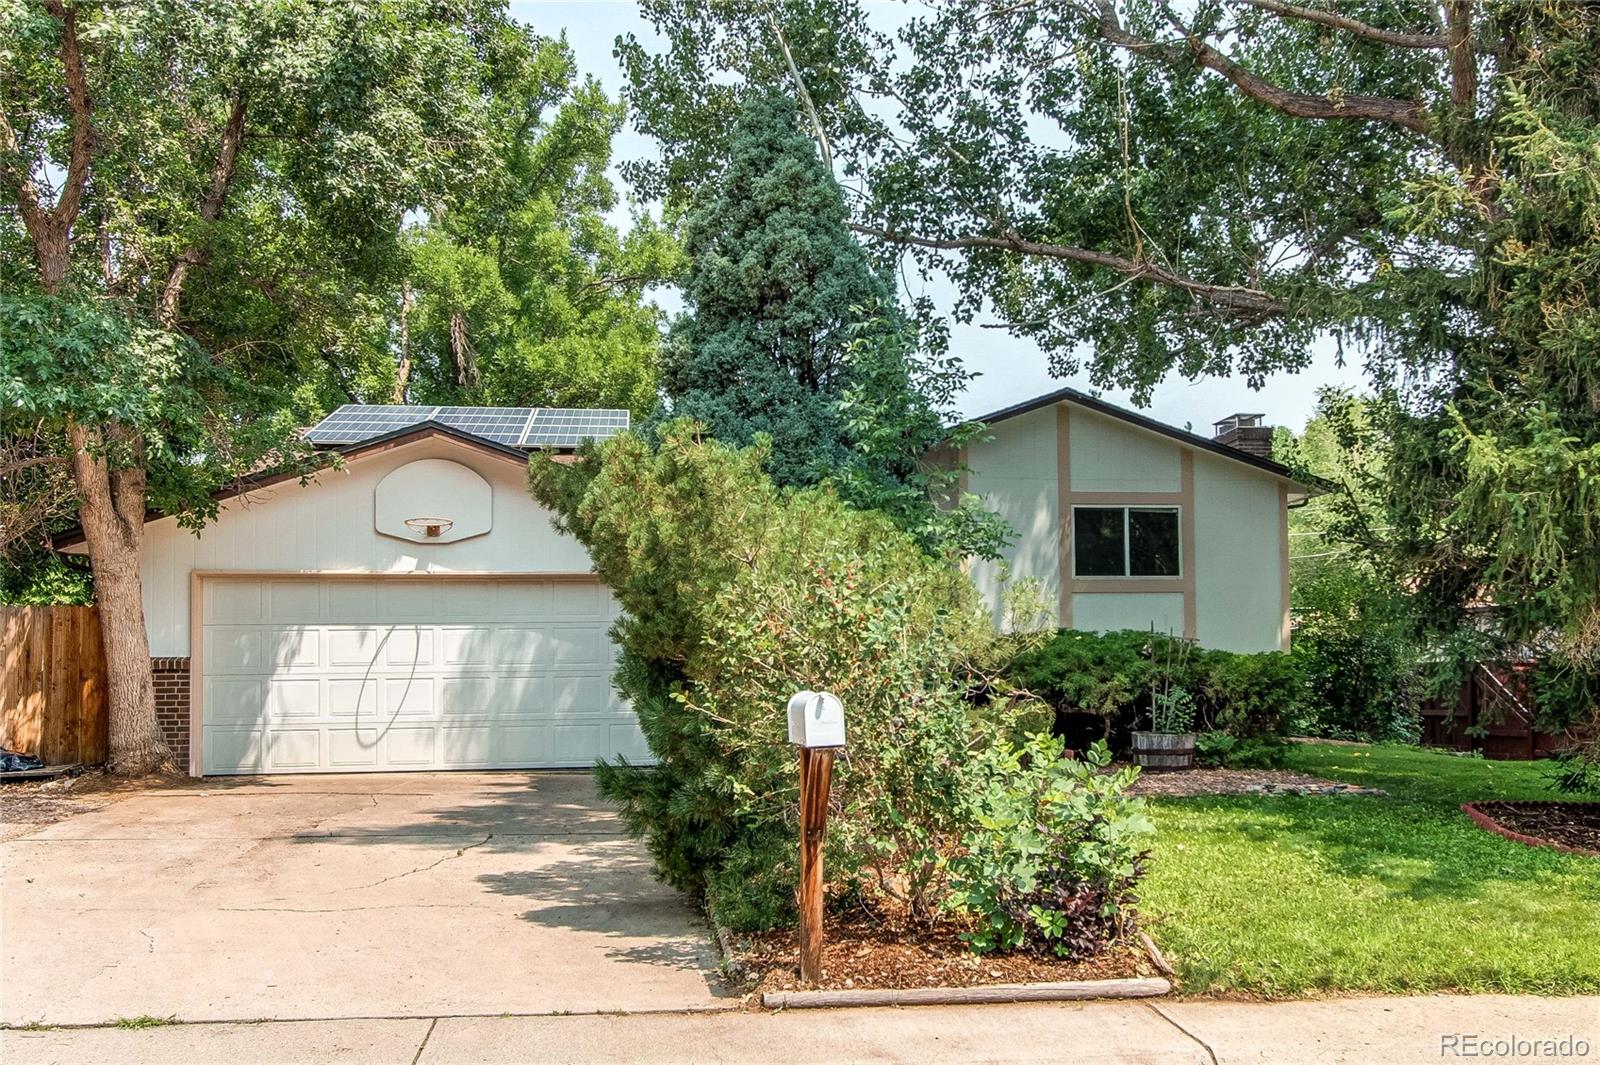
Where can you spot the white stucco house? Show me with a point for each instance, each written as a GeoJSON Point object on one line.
{"type": "Point", "coordinates": [1129, 523]}
{"type": "Point", "coordinates": [414, 609]}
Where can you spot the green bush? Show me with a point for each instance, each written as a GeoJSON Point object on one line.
{"type": "Point", "coordinates": [1255, 752]}
{"type": "Point", "coordinates": [735, 595]}
{"type": "Point", "coordinates": [1356, 649]}
{"type": "Point", "coordinates": [1120, 675]}
{"type": "Point", "coordinates": [1055, 852]}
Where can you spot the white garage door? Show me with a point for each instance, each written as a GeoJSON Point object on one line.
{"type": "Point", "coordinates": [340, 675]}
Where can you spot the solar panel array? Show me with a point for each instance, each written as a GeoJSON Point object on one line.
{"type": "Point", "coordinates": [526, 427]}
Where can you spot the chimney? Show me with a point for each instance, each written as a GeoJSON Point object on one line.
{"type": "Point", "coordinates": [1246, 433]}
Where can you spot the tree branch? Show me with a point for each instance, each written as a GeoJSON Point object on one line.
{"type": "Point", "coordinates": [1397, 38]}
{"type": "Point", "coordinates": [210, 209]}
{"type": "Point", "coordinates": [66, 209]}
{"type": "Point", "coordinates": [1252, 304]}
{"type": "Point", "coordinates": [17, 465]}
{"type": "Point", "coordinates": [1463, 63]}
{"type": "Point", "coordinates": [1406, 113]}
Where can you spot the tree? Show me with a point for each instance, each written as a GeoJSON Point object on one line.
{"type": "Point", "coordinates": [160, 166]}
{"type": "Point", "coordinates": [791, 332]}
{"type": "Point", "coordinates": [524, 294]}
{"type": "Point", "coordinates": [1145, 189]}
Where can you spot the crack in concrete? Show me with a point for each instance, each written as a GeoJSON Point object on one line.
{"type": "Point", "coordinates": [1153, 1008]}
{"type": "Point", "coordinates": [412, 872]}
{"type": "Point", "coordinates": [149, 940]}
{"type": "Point", "coordinates": [424, 1044]}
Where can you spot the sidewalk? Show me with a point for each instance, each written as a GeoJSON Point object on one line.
{"type": "Point", "coordinates": [1370, 1030]}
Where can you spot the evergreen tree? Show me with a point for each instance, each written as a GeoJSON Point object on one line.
{"type": "Point", "coordinates": [791, 332]}
{"type": "Point", "coordinates": [775, 284]}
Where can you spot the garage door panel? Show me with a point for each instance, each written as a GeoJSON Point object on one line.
{"type": "Point", "coordinates": [294, 647]}
{"type": "Point", "coordinates": [407, 601]}
{"type": "Point", "coordinates": [234, 601]}
{"type": "Point", "coordinates": [365, 675]}
{"type": "Point", "coordinates": [294, 749]}
{"type": "Point", "coordinates": [236, 702]}
{"type": "Point", "coordinates": [357, 748]}
{"type": "Point", "coordinates": [407, 747]}
{"type": "Point", "coordinates": [468, 645]}
{"type": "Point", "coordinates": [409, 646]}
{"type": "Point", "coordinates": [231, 750]}
{"type": "Point", "coordinates": [351, 696]}
{"type": "Point", "coordinates": [346, 600]}
{"type": "Point", "coordinates": [354, 648]}
{"type": "Point", "coordinates": [574, 599]}
{"type": "Point", "coordinates": [233, 649]}
{"type": "Point", "coordinates": [294, 601]}
{"type": "Point", "coordinates": [521, 600]}
{"type": "Point", "coordinates": [408, 696]}
{"type": "Point", "coordinates": [289, 698]}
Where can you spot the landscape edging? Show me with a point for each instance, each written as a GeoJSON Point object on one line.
{"type": "Point", "coordinates": [1485, 821]}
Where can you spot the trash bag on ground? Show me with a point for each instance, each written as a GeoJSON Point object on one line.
{"type": "Point", "coordinates": [13, 761]}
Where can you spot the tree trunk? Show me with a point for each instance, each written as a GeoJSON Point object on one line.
{"type": "Point", "coordinates": [112, 513]}
{"type": "Point", "coordinates": [466, 359]}
{"type": "Point", "coordinates": [402, 372]}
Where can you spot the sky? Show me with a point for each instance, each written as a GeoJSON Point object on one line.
{"type": "Point", "coordinates": [1011, 369]}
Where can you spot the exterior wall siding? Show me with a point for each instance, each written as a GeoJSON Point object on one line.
{"type": "Point", "coordinates": [1232, 592]}
{"type": "Point", "coordinates": [327, 526]}
{"type": "Point", "coordinates": [1014, 473]}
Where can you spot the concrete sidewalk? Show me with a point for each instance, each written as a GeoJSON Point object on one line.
{"type": "Point", "coordinates": [1370, 1030]}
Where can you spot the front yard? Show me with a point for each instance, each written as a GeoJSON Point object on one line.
{"type": "Point", "coordinates": [1284, 896]}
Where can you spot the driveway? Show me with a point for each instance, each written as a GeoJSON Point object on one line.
{"type": "Point", "coordinates": [345, 896]}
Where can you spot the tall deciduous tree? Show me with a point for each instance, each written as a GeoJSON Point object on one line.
{"type": "Point", "coordinates": [1145, 187]}
{"type": "Point", "coordinates": [154, 152]}
{"type": "Point", "coordinates": [525, 294]}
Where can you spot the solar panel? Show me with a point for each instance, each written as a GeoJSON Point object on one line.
{"type": "Point", "coordinates": [525, 427]}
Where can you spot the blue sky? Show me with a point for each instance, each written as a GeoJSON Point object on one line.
{"type": "Point", "coordinates": [1012, 369]}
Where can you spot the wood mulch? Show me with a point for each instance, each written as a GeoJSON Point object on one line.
{"type": "Point", "coordinates": [1200, 781]}
{"type": "Point", "coordinates": [1571, 825]}
{"type": "Point", "coordinates": [862, 950]}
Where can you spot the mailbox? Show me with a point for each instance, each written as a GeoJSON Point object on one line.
{"type": "Point", "coordinates": [816, 719]}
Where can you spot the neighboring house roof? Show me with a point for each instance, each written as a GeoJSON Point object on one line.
{"type": "Point", "coordinates": [1183, 436]}
{"type": "Point", "coordinates": [520, 427]}
{"type": "Point", "coordinates": [370, 445]}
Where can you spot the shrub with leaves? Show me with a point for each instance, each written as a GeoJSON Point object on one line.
{"type": "Point", "coordinates": [736, 594]}
{"type": "Point", "coordinates": [1054, 853]}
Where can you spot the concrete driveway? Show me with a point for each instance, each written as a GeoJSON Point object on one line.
{"type": "Point", "coordinates": [345, 896]}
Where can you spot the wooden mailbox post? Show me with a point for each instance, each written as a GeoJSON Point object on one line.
{"type": "Point", "coordinates": [816, 728]}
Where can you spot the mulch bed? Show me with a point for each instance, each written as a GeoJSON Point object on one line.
{"type": "Point", "coordinates": [1200, 781]}
{"type": "Point", "coordinates": [1568, 826]}
{"type": "Point", "coordinates": [862, 950]}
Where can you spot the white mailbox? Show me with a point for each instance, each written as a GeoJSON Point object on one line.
{"type": "Point", "coordinates": [816, 719]}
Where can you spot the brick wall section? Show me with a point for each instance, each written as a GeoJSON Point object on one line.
{"type": "Point", "coordinates": [172, 706]}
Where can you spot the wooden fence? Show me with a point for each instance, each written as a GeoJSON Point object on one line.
{"type": "Point", "coordinates": [53, 692]}
{"type": "Point", "coordinates": [1493, 711]}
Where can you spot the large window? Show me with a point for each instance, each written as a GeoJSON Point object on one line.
{"type": "Point", "coordinates": [1125, 542]}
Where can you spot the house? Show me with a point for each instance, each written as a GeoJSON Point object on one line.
{"type": "Point", "coordinates": [1129, 523]}
{"type": "Point", "coordinates": [413, 608]}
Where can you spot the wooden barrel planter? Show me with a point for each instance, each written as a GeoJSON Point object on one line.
{"type": "Point", "coordinates": [1164, 750]}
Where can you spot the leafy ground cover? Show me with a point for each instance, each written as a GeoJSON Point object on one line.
{"type": "Point", "coordinates": [1285, 896]}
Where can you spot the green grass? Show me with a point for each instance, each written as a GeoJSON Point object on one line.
{"type": "Point", "coordinates": [1284, 896]}
{"type": "Point", "coordinates": [144, 1020]}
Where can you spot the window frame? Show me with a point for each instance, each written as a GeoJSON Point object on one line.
{"type": "Point", "coordinates": [1127, 542]}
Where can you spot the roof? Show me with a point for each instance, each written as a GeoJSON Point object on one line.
{"type": "Point", "coordinates": [406, 434]}
{"type": "Point", "coordinates": [519, 427]}
{"type": "Point", "coordinates": [1183, 436]}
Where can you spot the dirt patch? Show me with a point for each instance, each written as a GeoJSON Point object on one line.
{"type": "Point", "coordinates": [29, 805]}
{"type": "Point", "coordinates": [864, 951]}
{"type": "Point", "coordinates": [1572, 826]}
{"type": "Point", "coordinates": [1222, 781]}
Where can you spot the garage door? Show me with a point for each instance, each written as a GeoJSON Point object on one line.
{"type": "Point", "coordinates": [340, 675]}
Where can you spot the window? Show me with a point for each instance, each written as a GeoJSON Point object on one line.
{"type": "Point", "coordinates": [1125, 542]}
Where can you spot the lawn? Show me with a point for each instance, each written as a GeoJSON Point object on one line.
{"type": "Point", "coordinates": [1282, 896]}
